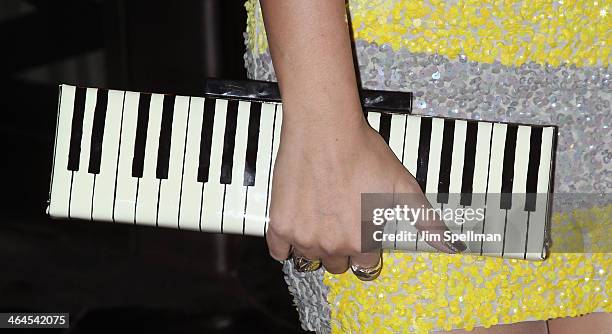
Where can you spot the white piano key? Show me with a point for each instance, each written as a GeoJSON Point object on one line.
{"type": "Point", "coordinates": [483, 157]}
{"type": "Point", "coordinates": [497, 158]}
{"type": "Point", "coordinates": [170, 188]}
{"type": "Point", "coordinates": [396, 137]}
{"type": "Point", "coordinates": [479, 184]}
{"type": "Point", "coordinates": [105, 181]}
{"type": "Point", "coordinates": [148, 185]}
{"type": "Point", "coordinates": [278, 122]}
{"type": "Point", "coordinates": [257, 195]}
{"type": "Point", "coordinates": [411, 144]}
{"type": "Point", "coordinates": [456, 173]}
{"type": "Point", "coordinates": [537, 223]}
{"type": "Point", "coordinates": [545, 160]}
{"type": "Point", "coordinates": [191, 191]}
{"type": "Point", "coordinates": [495, 219]}
{"type": "Point", "coordinates": [516, 228]}
{"type": "Point", "coordinates": [212, 199]}
{"type": "Point", "coordinates": [125, 198]}
{"type": "Point", "coordinates": [61, 177]}
{"type": "Point", "coordinates": [374, 120]}
{"type": "Point", "coordinates": [435, 149]}
{"type": "Point", "coordinates": [538, 218]}
{"type": "Point", "coordinates": [83, 181]}
{"type": "Point", "coordinates": [235, 193]}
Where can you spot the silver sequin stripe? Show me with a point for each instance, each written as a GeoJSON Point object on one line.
{"type": "Point", "coordinates": [310, 298]}
{"type": "Point", "coordinates": [576, 99]}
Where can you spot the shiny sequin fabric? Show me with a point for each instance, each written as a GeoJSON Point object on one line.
{"type": "Point", "coordinates": [519, 61]}
{"type": "Point", "coordinates": [511, 32]}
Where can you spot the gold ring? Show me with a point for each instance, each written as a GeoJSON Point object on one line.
{"type": "Point", "coordinates": [303, 264]}
{"type": "Point", "coordinates": [368, 274]}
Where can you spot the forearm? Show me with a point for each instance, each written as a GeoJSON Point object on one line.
{"type": "Point", "coordinates": [311, 52]}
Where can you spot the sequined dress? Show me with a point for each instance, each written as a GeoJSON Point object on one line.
{"type": "Point", "coordinates": [521, 61]}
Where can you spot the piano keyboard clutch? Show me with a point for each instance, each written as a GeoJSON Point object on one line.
{"type": "Point", "coordinates": [205, 163]}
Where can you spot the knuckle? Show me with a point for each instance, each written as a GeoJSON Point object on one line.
{"type": "Point", "coordinates": [305, 241]}
{"type": "Point", "coordinates": [336, 246]}
{"type": "Point", "coordinates": [329, 246]}
{"type": "Point", "coordinates": [280, 227]}
{"type": "Point", "coordinates": [283, 230]}
{"type": "Point", "coordinates": [282, 223]}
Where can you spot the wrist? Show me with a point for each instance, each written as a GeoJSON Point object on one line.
{"type": "Point", "coordinates": [335, 124]}
{"type": "Point", "coordinates": [322, 140]}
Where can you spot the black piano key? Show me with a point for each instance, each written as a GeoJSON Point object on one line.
{"type": "Point", "coordinates": [446, 158]}
{"type": "Point", "coordinates": [208, 121]}
{"type": "Point", "coordinates": [97, 132]}
{"type": "Point", "coordinates": [252, 144]}
{"type": "Point", "coordinates": [144, 103]}
{"type": "Point", "coordinates": [77, 129]}
{"type": "Point", "coordinates": [467, 180]}
{"type": "Point", "coordinates": [229, 141]}
{"type": "Point", "coordinates": [423, 157]}
{"type": "Point", "coordinates": [508, 167]}
{"type": "Point", "coordinates": [535, 144]}
{"type": "Point", "coordinates": [384, 128]}
{"type": "Point", "coordinates": [165, 136]}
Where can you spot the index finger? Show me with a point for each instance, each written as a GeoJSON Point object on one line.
{"type": "Point", "coordinates": [423, 224]}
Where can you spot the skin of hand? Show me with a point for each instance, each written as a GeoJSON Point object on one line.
{"type": "Point", "coordinates": [328, 154]}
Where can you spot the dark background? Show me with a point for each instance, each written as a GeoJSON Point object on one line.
{"type": "Point", "coordinates": [118, 277]}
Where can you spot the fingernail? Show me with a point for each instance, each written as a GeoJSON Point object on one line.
{"type": "Point", "coordinates": [457, 246]}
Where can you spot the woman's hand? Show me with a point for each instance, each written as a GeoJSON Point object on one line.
{"type": "Point", "coordinates": [328, 154]}
{"type": "Point", "coordinates": [319, 177]}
